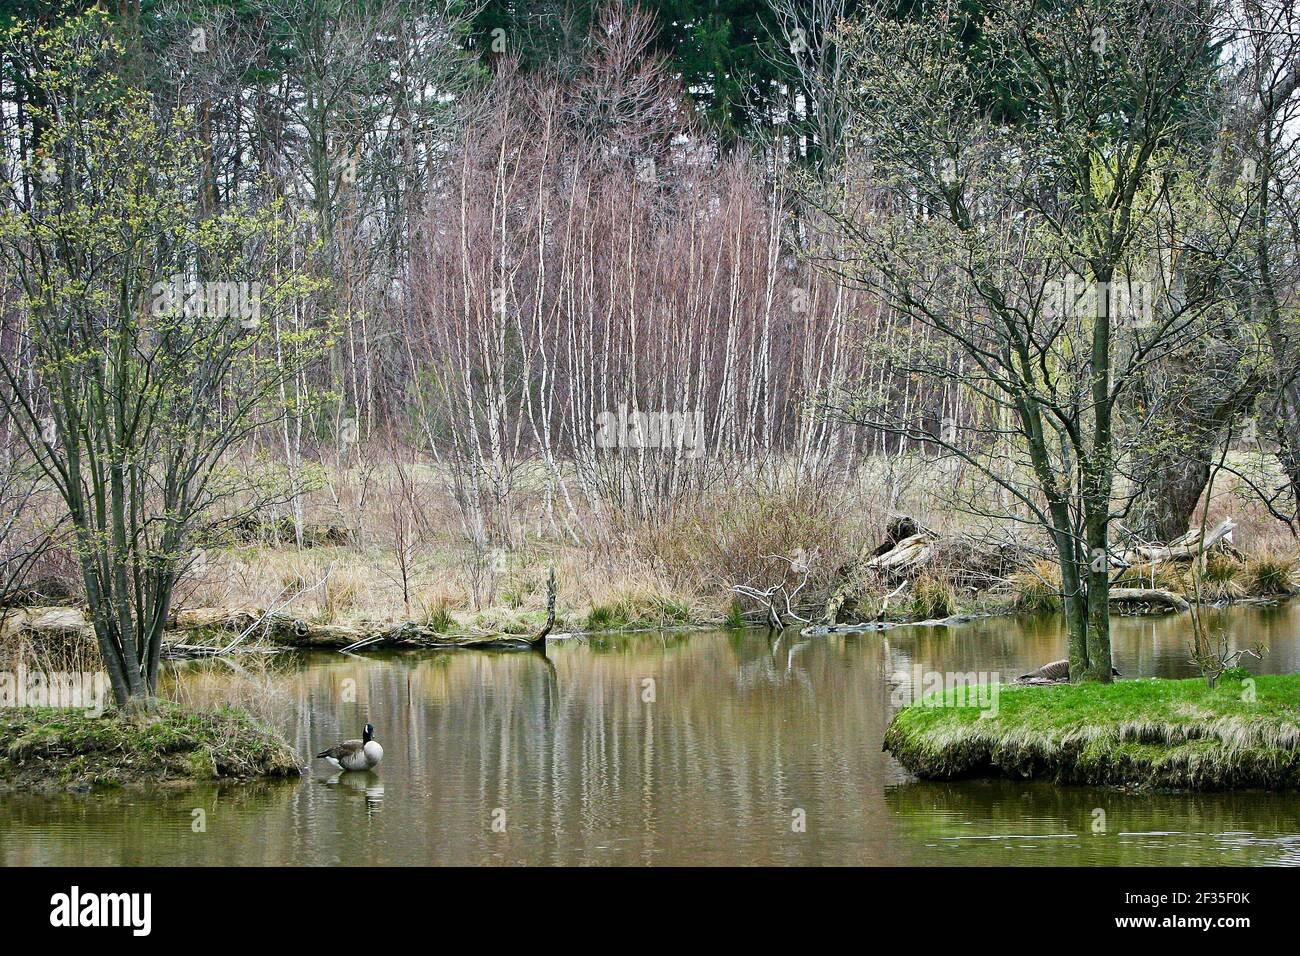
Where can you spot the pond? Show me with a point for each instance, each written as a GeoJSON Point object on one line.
{"type": "Point", "coordinates": [699, 748]}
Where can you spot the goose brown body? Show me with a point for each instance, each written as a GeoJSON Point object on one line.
{"type": "Point", "coordinates": [1055, 671]}
{"type": "Point", "coordinates": [363, 754]}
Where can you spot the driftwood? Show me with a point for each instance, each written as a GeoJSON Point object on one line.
{"type": "Point", "coordinates": [778, 600]}
{"type": "Point", "coordinates": [909, 553]}
{"type": "Point", "coordinates": [979, 562]}
{"type": "Point", "coordinates": [1185, 548]}
{"type": "Point", "coordinates": [902, 548]}
{"type": "Point", "coordinates": [286, 631]}
{"type": "Point", "coordinates": [62, 621]}
{"type": "Point", "coordinates": [967, 561]}
{"type": "Point", "coordinates": [898, 528]}
{"type": "Point", "coordinates": [824, 630]}
{"type": "Point", "coordinates": [1160, 596]}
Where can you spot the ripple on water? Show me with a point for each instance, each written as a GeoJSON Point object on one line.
{"type": "Point", "coordinates": [748, 752]}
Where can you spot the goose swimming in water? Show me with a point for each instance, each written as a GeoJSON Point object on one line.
{"type": "Point", "coordinates": [360, 754]}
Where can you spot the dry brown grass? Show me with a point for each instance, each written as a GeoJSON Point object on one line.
{"type": "Point", "coordinates": [628, 570]}
{"type": "Point", "coordinates": [68, 652]}
{"type": "Point", "coordinates": [633, 572]}
{"type": "Point", "coordinates": [254, 683]}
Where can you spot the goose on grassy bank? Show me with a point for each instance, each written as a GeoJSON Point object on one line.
{"type": "Point", "coordinates": [360, 754]}
{"type": "Point", "coordinates": [1055, 672]}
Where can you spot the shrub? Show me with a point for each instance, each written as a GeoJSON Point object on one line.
{"type": "Point", "coordinates": [1221, 578]}
{"type": "Point", "coordinates": [1269, 574]}
{"type": "Point", "coordinates": [933, 597]}
{"type": "Point", "coordinates": [1037, 588]}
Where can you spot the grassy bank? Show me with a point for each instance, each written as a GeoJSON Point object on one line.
{"type": "Point", "coordinates": [1149, 733]}
{"type": "Point", "coordinates": [42, 749]}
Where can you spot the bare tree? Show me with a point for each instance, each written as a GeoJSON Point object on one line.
{"type": "Point", "coordinates": [1014, 197]}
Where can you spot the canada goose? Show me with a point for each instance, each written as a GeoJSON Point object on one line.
{"type": "Point", "coordinates": [1057, 670]}
{"type": "Point", "coordinates": [356, 754]}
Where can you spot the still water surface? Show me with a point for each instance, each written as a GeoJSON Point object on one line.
{"type": "Point", "coordinates": [746, 735]}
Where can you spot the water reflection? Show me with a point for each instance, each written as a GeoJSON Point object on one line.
{"type": "Point", "coordinates": [1003, 822]}
{"type": "Point", "coordinates": [363, 785]}
{"type": "Point", "coordinates": [674, 748]}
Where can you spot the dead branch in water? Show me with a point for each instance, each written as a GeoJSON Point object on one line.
{"type": "Point", "coordinates": [274, 609]}
{"type": "Point", "coordinates": [1159, 596]}
{"type": "Point", "coordinates": [770, 599]}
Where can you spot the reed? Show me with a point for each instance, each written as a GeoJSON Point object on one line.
{"type": "Point", "coordinates": [1271, 574]}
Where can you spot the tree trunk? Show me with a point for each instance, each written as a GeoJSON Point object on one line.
{"type": "Point", "coordinates": [1098, 474]}
{"type": "Point", "coordinates": [1173, 488]}
{"type": "Point", "coordinates": [1288, 426]}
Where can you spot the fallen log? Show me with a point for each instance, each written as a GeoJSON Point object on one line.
{"type": "Point", "coordinates": [285, 630]}
{"type": "Point", "coordinates": [842, 604]}
{"type": "Point", "coordinates": [898, 528]}
{"type": "Point", "coordinates": [1149, 596]}
{"type": "Point", "coordinates": [911, 552]}
{"type": "Point", "coordinates": [1185, 548]}
{"type": "Point", "coordinates": [61, 621]}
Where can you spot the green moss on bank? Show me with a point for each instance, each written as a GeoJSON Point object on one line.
{"type": "Point", "coordinates": [1149, 733]}
{"type": "Point", "coordinates": [634, 615]}
{"type": "Point", "coordinates": [42, 748]}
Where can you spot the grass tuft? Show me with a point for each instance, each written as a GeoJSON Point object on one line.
{"type": "Point", "coordinates": [43, 746]}
{"type": "Point", "coordinates": [1037, 588]}
{"type": "Point", "coordinates": [933, 597]}
{"type": "Point", "coordinates": [1222, 578]}
{"type": "Point", "coordinates": [1270, 574]}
